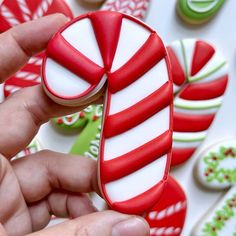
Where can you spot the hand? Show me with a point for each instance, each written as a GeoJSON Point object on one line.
{"type": "Point", "coordinates": [45, 183]}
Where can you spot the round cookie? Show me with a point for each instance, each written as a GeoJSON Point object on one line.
{"type": "Point", "coordinates": [14, 12]}
{"type": "Point", "coordinates": [216, 167]}
{"type": "Point", "coordinates": [198, 11]}
{"type": "Point", "coordinates": [136, 8]}
{"type": "Point", "coordinates": [200, 76]}
{"type": "Point", "coordinates": [136, 130]}
{"type": "Point", "coordinates": [221, 219]}
{"type": "Point", "coordinates": [168, 216]}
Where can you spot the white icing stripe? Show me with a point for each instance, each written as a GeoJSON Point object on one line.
{"type": "Point", "coordinates": [188, 50]}
{"type": "Point", "coordinates": [124, 52]}
{"type": "Point", "coordinates": [170, 210]}
{"type": "Point", "coordinates": [165, 231]}
{"type": "Point", "coordinates": [37, 61]}
{"type": "Point", "coordinates": [67, 83]}
{"type": "Point", "coordinates": [126, 188]}
{"type": "Point", "coordinates": [209, 4]}
{"type": "Point", "coordinates": [137, 136]}
{"type": "Point", "coordinates": [27, 75]}
{"type": "Point", "coordinates": [189, 136]}
{"type": "Point", "coordinates": [11, 88]}
{"type": "Point", "coordinates": [198, 104]}
{"type": "Point", "coordinates": [197, 112]}
{"type": "Point", "coordinates": [81, 30]}
{"type": "Point", "coordinates": [178, 144]}
{"type": "Point", "coordinates": [135, 92]}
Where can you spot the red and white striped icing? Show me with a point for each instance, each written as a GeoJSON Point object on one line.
{"type": "Point", "coordinates": [136, 136]}
{"type": "Point", "coordinates": [136, 8]}
{"type": "Point", "coordinates": [14, 12]}
{"type": "Point", "coordinates": [167, 217]}
{"type": "Point", "coordinates": [200, 75]}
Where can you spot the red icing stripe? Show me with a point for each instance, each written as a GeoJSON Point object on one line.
{"type": "Point", "coordinates": [66, 55]}
{"type": "Point", "coordinates": [138, 204]}
{"type": "Point", "coordinates": [144, 155]}
{"type": "Point", "coordinates": [138, 113]}
{"type": "Point", "coordinates": [107, 30]}
{"type": "Point", "coordinates": [180, 155]}
{"type": "Point", "coordinates": [178, 74]}
{"type": "Point", "coordinates": [151, 53]}
{"type": "Point", "coordinates": [192, 122]}
{"type": "Point", "coordinates": [204, 91]}
{"type": "Point", "coordinates": [202, 54]}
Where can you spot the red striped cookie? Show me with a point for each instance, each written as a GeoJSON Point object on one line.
{"type": "Point", "coordinates": [14, 12]}
{"type": "Point", "coordinates": [136, 8]}
{"type": "Point", "coordinates": [128, 60]}
{"type": "Point", "coordinates": [200, 75]}
{"type": "Point", "coordinates": [168, 216]}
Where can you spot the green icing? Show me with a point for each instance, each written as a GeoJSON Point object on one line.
{"type": "Point", "coordinates": [214, 172]}
{"type": "Point", "coordinates": [221, 216]}
{"type": "Point", "coordinates": [194, 12]}
{"type": "Point", "coordinates": [88, 142]}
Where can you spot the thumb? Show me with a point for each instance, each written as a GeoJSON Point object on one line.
{"type": "Point", "coordinates": [106, 223]}
{"type": "Point", "coordinates": [2, 231]}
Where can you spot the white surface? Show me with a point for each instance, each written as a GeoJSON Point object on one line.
{"type": "Point", "coordinates": [126, 188]}
{"type": "Point", "coordinates": [221, 32]}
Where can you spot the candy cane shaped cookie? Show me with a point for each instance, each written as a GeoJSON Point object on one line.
{"type": "Point", "coordinates": [14, 12]}
{"type": "Point", "coordinates": [221, 218]}
{"type": "Point", "coordinates": [136, 8]}
{"type": "Point", "coordinates": [167, 217]}
{"type": "Point", "coordinates": [200, 75]}
{"type": "Point", "coordinates": [127, 59]}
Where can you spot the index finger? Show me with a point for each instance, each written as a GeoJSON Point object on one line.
{"type": "Point", "coordinates": [18, 44]}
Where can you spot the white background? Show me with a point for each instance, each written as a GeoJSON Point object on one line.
{"type": "Point", "coordinates": [221, 31]}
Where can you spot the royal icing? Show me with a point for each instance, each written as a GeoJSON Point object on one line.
{"type": "Point", "coordinates": [129, 56]}
{"type": "Point", "coordinates": [136, 8]}
{"type": "Point", "coordinates": [14, 12]}
{"type": "Point", "coordinates": [198, 11]}
{"type": "Point", "coordinates": [221, 219]}
{"type": "Point", "coordinates": [216, 167]}
{"type": "Point", "coordinates": [168, 216]}
{"type": "Point", "coordinates": [200, 75]}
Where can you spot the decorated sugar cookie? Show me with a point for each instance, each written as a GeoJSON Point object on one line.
{"type": "Point", "coordinates": [198, 11]}
{"type": "Point", "coordinates": [136, 8]}
{"type": "Point", "coordinates": [14, 12]}
{"type": "Point", "coordinates": [216, 167]}
{"type": "Point", "coordinates": [136, 131]}
{"type": "Point", "coordinates": [76, 120]}
{"type": "Point", "coordinates": [32, 148]}
{"type": "Point", "coordinates": [88, 142]}
{"type": "Point", "coordinates": [200, 75]}
{"type": "Point", "coordinates": [168, 216]}
{"type": "Point", "coordinates": [221, 219]}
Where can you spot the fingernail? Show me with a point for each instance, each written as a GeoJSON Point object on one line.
{"type": "Point", "coordinates": [135, 226]}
